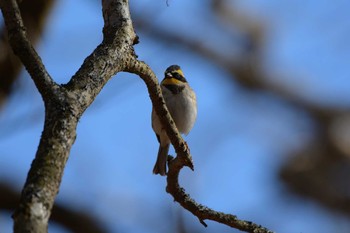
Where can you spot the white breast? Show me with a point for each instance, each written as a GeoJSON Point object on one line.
{"type": "Point", "coordinates": [182, 107]}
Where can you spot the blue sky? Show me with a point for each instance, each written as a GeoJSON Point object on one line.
{"type": "Point", "coordinates": [238, 143]}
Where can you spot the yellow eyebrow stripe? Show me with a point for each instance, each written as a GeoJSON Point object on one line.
{"type": "Point", "coordinates": [180, 72]}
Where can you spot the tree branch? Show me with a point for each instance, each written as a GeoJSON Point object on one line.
{"type": "Point", "coordinates": [109, 58]}
{"type": "Point", "coordinates": [64, 105]}
{"type": "Point", "coordinates": [64, 215]}
{"type": "Point", "coordinates": [155, 93]}
{"type": "Point", "coordinates": [183, 158]}
{"type": "Point", "coordinates": [323, 152]}
{"type": "Point", "coordinates": [200, 211]}
{"type": "Point", "coordinates": [23, 48]}
{"type": "Point", "coordinates": [34, 14]}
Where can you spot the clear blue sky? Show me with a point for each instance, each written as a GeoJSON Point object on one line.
{"type": "Point", "coordinates": [239, 140]}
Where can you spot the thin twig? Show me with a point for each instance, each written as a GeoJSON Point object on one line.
{"type": "Point", "coordinates": [200, 211]}
{"type": "Point", "coordinates": [183, 158]}
{"type": "Point", "coordinates": [151, 81]}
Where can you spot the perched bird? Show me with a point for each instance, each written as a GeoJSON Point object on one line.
{"type": "Point", "coordinates": [182, 105]}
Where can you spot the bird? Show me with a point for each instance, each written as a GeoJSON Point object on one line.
{"type": "Point", "coordinates": [181, 102]}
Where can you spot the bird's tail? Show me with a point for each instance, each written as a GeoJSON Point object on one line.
{"type": "Point", "coordinates": [160, 166]}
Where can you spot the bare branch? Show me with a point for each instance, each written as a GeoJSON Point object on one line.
{"type": "Point", "coordinates": [34, 13]}
{"type": "Point", "coordinates": [183, 158]}
{"type": "Point", "coordinates": [23, 48]}
{"type": "Point", "coordinates": [110, 57]}
{"type": "Point", "coordinates": [65, 215]}
{"type": "Point", "coordinates": [151, 81]}
{"type": "Point", "coordinates": [64, 105]}
{"type": "Point", "coordinates": [200, 211]}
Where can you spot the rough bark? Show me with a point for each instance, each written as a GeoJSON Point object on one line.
{"type": "Point", "coordinates": [74, 220]}
{"type": "Point", "coordinates": [63, 105]}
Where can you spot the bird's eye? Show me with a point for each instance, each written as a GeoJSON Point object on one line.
{"type": "Point", "coordinates": [176, 75]}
